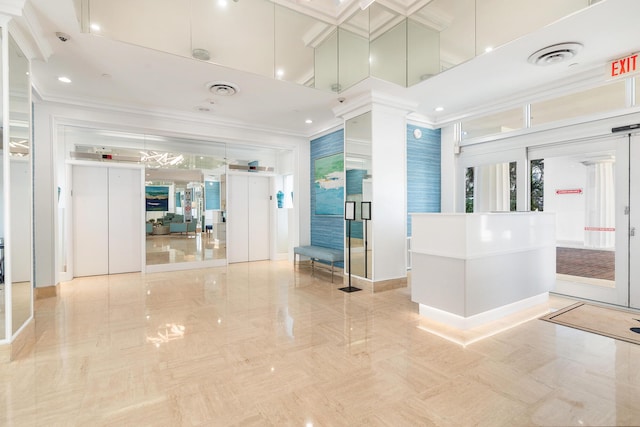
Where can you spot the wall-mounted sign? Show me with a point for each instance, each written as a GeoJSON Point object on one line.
{"type": "Point", "coordinates": [624, 66]}
{"type": "Point", "coordinates": [570, 191]}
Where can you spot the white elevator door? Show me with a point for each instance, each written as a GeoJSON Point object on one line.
{"type": "Point", "coordinates": [90, 221]}
{"type": "Point", "coordinates": [107, 222]}
{"type": "Point", "coordinates": [248, 218]}
{"type": "Point", "coordinates": [125, 220]}
{"type": "Point", "coordinates": [258, 218]}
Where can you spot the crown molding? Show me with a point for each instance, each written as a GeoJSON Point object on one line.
{"type": "Point", "coordinates": [12, 7]}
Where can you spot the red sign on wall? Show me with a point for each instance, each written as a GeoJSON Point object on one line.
{"type": "Point", "coordinates": [570, 191]}
{"type": "Point", "coordinates": [624, 66]}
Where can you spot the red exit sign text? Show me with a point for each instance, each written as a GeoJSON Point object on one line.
{"type": "Point", "coordinates": [623, 66]}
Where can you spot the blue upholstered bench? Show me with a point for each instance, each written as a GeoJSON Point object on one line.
{"type": "Point", "coordinates": [319, 253]}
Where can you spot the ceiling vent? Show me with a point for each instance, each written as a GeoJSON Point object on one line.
{"type": "Point", "coordinates": [555, 54]}
{"type": "Point", "coordinates": [223, 88]}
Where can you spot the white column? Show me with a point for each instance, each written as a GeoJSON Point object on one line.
{"type": "Point", "coordinates": [389, 193]}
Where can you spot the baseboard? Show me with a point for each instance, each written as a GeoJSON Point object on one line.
{"type": "Point", "coordinates": [46, 292]}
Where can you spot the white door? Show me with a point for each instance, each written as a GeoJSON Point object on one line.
{"type": "Point", "coordinates": [125, 220]}
{"type": "Point", "coordinates": [248, 224]}
{"type": "Point", "coordinates": [107, 220]}
{"type": "Point", "coordinates": [90, 221]}
{"type": "Point", "coordinates": [238, 218]}
{"type": "Point", "coordinates": [259, 219]}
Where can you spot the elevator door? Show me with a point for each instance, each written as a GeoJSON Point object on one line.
{"type": "Point", "coordinates": [107, 220]}
{"type": "Point", "coordinates": [248, 213]}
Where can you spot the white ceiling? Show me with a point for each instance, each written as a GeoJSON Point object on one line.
{"type": "Point", "coordinates": [108, 72]}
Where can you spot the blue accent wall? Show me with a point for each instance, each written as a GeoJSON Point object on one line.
{"type": "Point", "coordinates": [423, 172]}
{"type": "Point", "coordinates": [327, 231]}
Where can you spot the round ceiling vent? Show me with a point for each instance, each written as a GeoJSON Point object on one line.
{"type": "Point", "coordinates": [223, 88]}
{"type": "Point", "coordinates": [555, 54]}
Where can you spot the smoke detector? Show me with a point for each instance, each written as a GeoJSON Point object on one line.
{"type": "Point", "coordinates": [201, 54]}
{"type": "Point", "coordinates": [555, 54]}
{"type": "Point", "coordinates": [223, 88]}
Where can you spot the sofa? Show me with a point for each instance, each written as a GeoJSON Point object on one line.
{"type": "Point", "coordinates": [169, 218]}
{"type": "Point", "coordinates": [182, 227]}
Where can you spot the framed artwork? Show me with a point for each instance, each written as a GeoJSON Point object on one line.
{"type": "Point", "coordinates": [156, 198]}
{"type": "Point", "coordinates": [329, 185]}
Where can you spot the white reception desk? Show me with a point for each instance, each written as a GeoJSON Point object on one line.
{"type": "Point", "coordinates": [470, 269]}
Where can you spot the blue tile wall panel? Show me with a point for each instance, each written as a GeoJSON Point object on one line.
{"type": "Point", "coordinates": [327, 231]}
{"type": "Point", "coordinates": [423, 172]}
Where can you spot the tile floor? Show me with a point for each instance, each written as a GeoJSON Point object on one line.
{"type": "Point", "coordinates": [263, 344]}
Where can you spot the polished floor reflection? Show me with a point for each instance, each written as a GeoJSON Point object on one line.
{"type": "Point", "coordinates": [180, 247]}
{"type": "Point", "coordinates": [257, 344]}
{"type": "Point", "coordinates": [21, 305]}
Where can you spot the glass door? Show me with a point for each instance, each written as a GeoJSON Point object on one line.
{"type": "Point", "coordinates": [587, 186]}
{"type": "Point", "coordinates": [634, 221]}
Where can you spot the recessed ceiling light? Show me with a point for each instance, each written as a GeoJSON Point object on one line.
{"type": "Point", "coordinates": [488, 49]}
{"type": "Point", "coordinates": [280, 73]}
{"type": "Point", "coordinates": [95, 27]}
{"type": "Point", "coordinates": [64, 79]}
{"type": "Point", "coordinates": [223, 3]}
{"type": "Point", "coordinates": [438, 109]}
{"type": "Point", "coordinates": [308, 121]}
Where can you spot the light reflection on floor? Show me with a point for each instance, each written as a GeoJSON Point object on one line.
{"type": "Point", "coordinates": [179, 247]}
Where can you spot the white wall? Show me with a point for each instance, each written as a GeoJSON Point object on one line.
{"type": "Point", "coordinates": [50, 171]}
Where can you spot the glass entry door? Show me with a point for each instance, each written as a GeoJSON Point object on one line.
{"type": "Point", "coordinates": [587, 186]}
{"type": "Point", "coordinates": [634, 221]}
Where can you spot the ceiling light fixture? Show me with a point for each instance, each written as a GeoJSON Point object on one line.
{"type": "Point", "coordinates": [308, 121]}
{"type": "Point", "coordinates": [222, 88]}
{"type": "Point", "coordinates": [555, 54]}
{"type": "Point", "coordinates": [438, 109]}
{"type": "Point", "coordinates": [64, 79]}
{"type": "Point", "coordinates": [488, 49]}
{"type": "Point", "coordinates": [95, 27]}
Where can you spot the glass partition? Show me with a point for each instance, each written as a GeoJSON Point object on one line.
{"type": "Point", "coordinates": [597, 100]}
{"type": "Point", "coordinates": [491, 188]}
{"type": "Point", "coordinates": [4, 302]}
{"type": "Point", "coordinates": [504, 121]}
{"type": "Point", "coordinates": [20, 187]}
{"type": "Point", "coordinates": [358, 177]}
{"type": "Point", "coordinates": [321, 50]}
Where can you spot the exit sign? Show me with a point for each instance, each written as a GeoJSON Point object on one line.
{"type": "Point", "coordinates": [624, 66]}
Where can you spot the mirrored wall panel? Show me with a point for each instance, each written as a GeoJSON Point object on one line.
{"type": "Point", "coordinates": [359, 185]}
{"type": "Point", "coordinates": [20, 187]}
